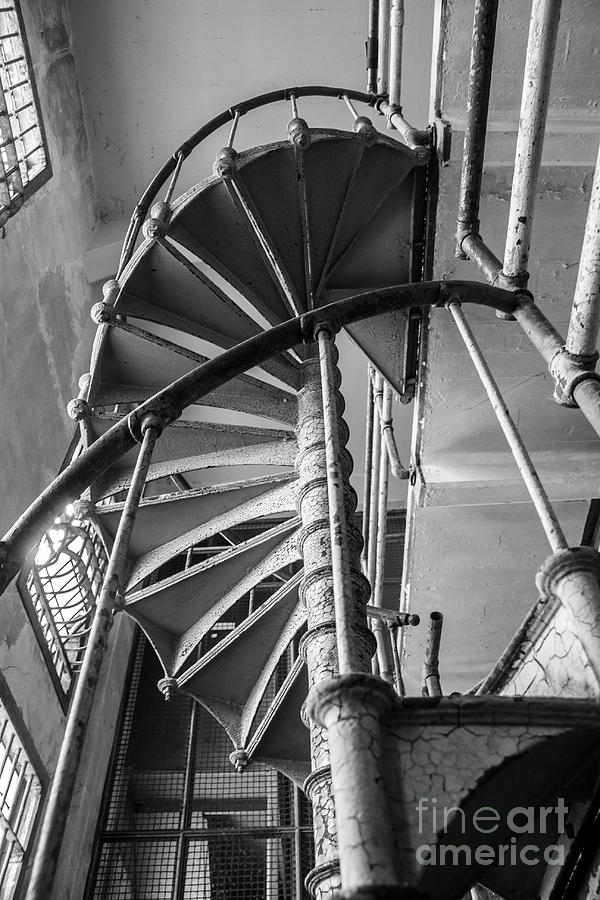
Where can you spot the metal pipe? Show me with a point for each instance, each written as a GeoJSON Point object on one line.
{"type": "Point", "coordinates": [372, 46]}
{"type": "Point", "coordinates": [431, 663]}
{"type": "Point", "coordinates": [374, 495]}
{"type": "Point", "coordinates": [349, 655]}
{"type": "Point", "coordinates": [478, 98]}
{"type": "Point", "coordinates": [65, 776]}
{"type": "Point", "coordinates": [582, 333]}
{"type": "Point", "coordinates": [398, 680]}
{"type": "Point", "coordinates": [473, 247]}
{"type": "Point", "coordinates": [383, 46]}
{"type": "Point", "coordinates": [367, 475]}
{"type": "Point", "coordinates": [543, 27]}
{"type": "Point", "coordinates": [546, 514]}
{"type": "Point", "coordinates": [396, 34]}
{"type": "Point", "coordinates": [414, 138]}
{"type": "Point", "coordinates": [383, 647]}
{"type": "Point", "coordinates": [383, 401]}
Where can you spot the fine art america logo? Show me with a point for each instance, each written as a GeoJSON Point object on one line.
{"type": "Point", "coordinates": [494, 838]}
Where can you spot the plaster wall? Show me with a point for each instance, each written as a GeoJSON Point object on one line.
{"type": "Point", "coordinates": [45, 341]}
{"type": "Point", "coordinates": [152, 73]}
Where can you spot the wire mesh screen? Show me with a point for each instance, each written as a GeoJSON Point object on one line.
{"type": "Point", "coordinates": [61, 587]}
{"type": "Point", "coordinates": [180, 822]}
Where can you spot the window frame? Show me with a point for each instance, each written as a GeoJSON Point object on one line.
{"type": "Point", "coordinates": [45, 174]}
{"type": "Point", "coordinates": [38, 769]}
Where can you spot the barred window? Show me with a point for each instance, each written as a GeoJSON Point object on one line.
{"type": "Point", "coordinates": [61, 588]}
{"type": "Point", "coordinates": [20, 792]}
{"type": "Point", "coordinates": [24, 164]}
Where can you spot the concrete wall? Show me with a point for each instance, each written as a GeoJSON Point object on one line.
{"type": "Point", "coordinates": [44, 298]}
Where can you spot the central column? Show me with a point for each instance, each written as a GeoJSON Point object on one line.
{"type": "Point", "coordinates": [319, 643]}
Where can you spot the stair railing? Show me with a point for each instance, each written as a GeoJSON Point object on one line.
{"type": "Point", "coordinates": [63, 782]}
{"type": "Point", "coordinates": [569, 574]}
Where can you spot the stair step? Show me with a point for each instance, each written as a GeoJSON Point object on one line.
{"type": "Point", "coordinates": [231, 679]}
{"type": "Point", "coordinates": [185, 438]}
{"type": "Point", "coordinates": [383, 169]}
{"type": "Point", "coordinates": [178, 611]}
{"type": "Point", "coordinates": [281, 740]}
{"type": "Point", "coordinates": [210, 225]}
{"type": "Point", "coordinates": [380, 251]}
{"type": "Point", "coordinates": [273, 454]}
{"type": "Point", "coordinates": [161, 285]}
{"type": "Point", "coordinates": [162, 519]}
{"type": "Point", "coordinates": [279, 207]}
{"type": "Point", "coordinates": [135, 364]}
{"type": "Point", "coordinates": [329, 168]}
{"type": "Point", "coordinates": [384, 341]}
{"type": "Point", "coordinates": [278, 501]}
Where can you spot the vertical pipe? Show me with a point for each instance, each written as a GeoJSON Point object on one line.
{"type": "Point", "coordinates": [368, 472]}
{"type": "Point", "coordinates": [546, 514]}
{"type": "Point", "coordinates": [186, 805]}
{"type": "Point", "coordinates": [585, 314]}
{"type": "Point", "coordinates": [431, 665]}
{"type": "Point", "coordinates": [384, 655]}
{"type": "Point", "coordinates": [297, 841]}
{"type": "Point", "coordinates": [543, 28]}
{"type": "Point", "coordinates": [396, 33]}
{"type": "Point", "coordinates": [373, 500]}
{"type": "Point", "coordinates": [478, 98]}
{"type": "Point", "coordinates": [63, 783]}
{"type": "Point", "coordinates": [383, 46]}
{"type": "Point", "coordinates": [398, 680]}
{"type": "Point", "coordinates": [372, 42]}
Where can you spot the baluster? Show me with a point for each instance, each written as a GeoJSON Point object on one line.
{"type": "Point", "coordinates": [65, 777]}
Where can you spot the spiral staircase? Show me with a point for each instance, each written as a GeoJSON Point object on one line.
{"type": "Point", "coordinates": [214, 568]}
{"type": "Point", "coordinates": [276, 231]}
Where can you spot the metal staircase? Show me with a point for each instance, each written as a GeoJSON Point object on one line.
{"type": "Point", "coordinates": [215, 353]}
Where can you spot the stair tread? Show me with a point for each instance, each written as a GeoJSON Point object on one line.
{"type": "Point", "coordinates": [273, 454]}
{"type": "Point", "coordinates": [179, 601]}
{"type": "Point", "coordinates": [162, 286]}
{"type": "Point", "coordinates": [380, 251]}
{"type": "Point", "coordinates": [213, 229]}
{"type": "Point", "coordinates": [160, 520]}
{"type": "Point", "coordinates": [329, 168]}
{"type": "Point", "coordinates": [382, 170]}
{"type": "Point", "coordinates": [277, 498]}
{"type": "Point", "coordinates": [282, 740]}
{"type": "Point", "coordinates": [230, 680]}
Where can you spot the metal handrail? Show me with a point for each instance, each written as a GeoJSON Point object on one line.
{"type": "Point", "coordinates": [169, 402]}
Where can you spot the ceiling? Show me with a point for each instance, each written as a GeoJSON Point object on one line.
{"type": "Point", "coordinates": [151, 73]}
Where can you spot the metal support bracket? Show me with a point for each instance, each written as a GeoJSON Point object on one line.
{"type": "Point", "coordinates": [569, 370]}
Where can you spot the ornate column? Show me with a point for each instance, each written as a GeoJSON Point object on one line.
{"type": "Point", "coordinates": [573, 575]}
{"type": "Point", "coordinates": [319, 644]}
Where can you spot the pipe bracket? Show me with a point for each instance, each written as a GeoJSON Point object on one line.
{"type": "Point", "coordinates": [569, 370]}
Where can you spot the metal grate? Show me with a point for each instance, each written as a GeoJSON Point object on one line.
{"type": "Point", "coordinates": [24, 162]}
{"type": "Point", "coordinates": [61, 588]}
{"type": "Point", "coordinates": [180, 822]}
{"type": "Point", "coordinates": [20, 791]}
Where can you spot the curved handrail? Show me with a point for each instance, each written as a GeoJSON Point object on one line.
{"type": "Point", "coordinates": [169, 402]}
{"type": "Point", "coordinates": [228, 115]}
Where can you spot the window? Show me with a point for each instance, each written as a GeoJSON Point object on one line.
{"type": "Point", "coordinates": [24, 164]}
{"type": "Point", "coordinates": [20, 792]}
{"type": "Point", "coordinates": [60, 590]}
